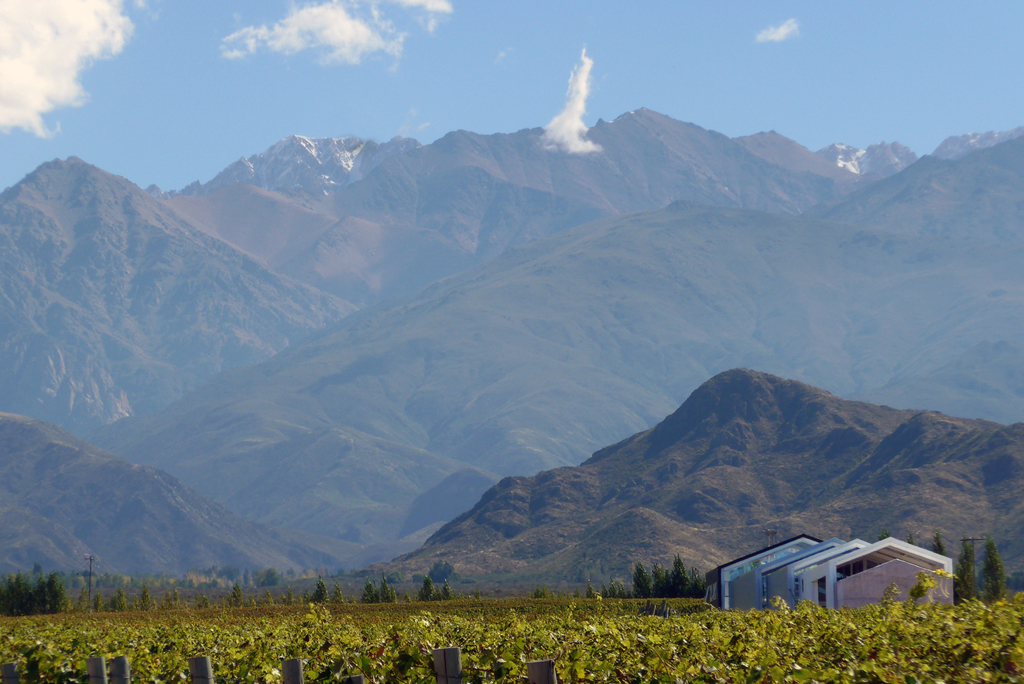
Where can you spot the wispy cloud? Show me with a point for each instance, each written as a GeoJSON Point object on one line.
{"type": "Point", "coordinates": [776, 34]}
{"type": "Point", "coordinates": [44, 47]}
{"type": "Point", "coordinates": [567, 130]}
{"type": "Point", "coordinates": [341, 29]}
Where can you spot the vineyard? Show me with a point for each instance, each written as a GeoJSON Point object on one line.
{"type": "Point", "coordinates": [590, 641]}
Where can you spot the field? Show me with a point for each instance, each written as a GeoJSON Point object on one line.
{"type": "Point", "coordinates": [590, 640]}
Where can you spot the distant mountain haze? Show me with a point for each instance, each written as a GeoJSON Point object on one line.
{"type": "Point", "coordinates": [978, 197]}
{"type": "Point", "coordinates": [957, 146]}
{"type": "Point", "coordinates": [114, 304]}
{"type": "Point", "coordinates": [746, 451]}
{"type": "Point", "coordinates": [62, 499]}
{"type": "Point", "coordinates": [568, 343]}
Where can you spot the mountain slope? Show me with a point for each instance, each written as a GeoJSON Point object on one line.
{"type": "Point", "coordinates": [62, 499]}
{"type": "Point", "coordinates": [112, 305]}
{"type": "Point", "coordinates": [745, 451]}
{"type": "Point", "coordinates": [562, 345]}
{"type": "Point", "coordinates": [978, 197]}
{"type": "Point", "coordinates": [957, 146]}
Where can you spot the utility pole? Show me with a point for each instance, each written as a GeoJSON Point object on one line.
{"type": "Point", "coordinates": [964, 540]}
{"type": "Point", "coordinates": [770, 536]}
{"type": "Point", "coordinates": [90, 559]}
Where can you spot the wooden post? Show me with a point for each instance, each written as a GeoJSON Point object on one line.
{"type": "Point", "coordinates": [541, 672]}
{"type": "Point", "coordinates": [120, 671]}
{"type": "Point", "coordinates": [291, 671]}
{"type": "Point", "coordinates": [9, 673]}
{"type": "Point", "coordinates": [448, 665]}
{"type": "Point", "coordinates": [664, 609]}
{"type": "Point", "coordinates": [96, 668]}
{"type": "Point", "coordinates": [201, 670]}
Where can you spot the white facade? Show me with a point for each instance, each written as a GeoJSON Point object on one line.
{"type": "Point", "coordinates": [805, 569]}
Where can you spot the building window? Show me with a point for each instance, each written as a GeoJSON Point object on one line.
{"type": "Point", "coordinates": [822, 593]}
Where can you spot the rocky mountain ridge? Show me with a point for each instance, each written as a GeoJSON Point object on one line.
{"type": "Point", "coordinates": [744, 452]}
{"type": "Point", "coordinates": [957, 146]}
{"type": "Point", "coordinates": [112, 304]}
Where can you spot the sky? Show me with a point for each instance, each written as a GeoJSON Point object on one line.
{"type": "Point", "coordinates": [168, 92]}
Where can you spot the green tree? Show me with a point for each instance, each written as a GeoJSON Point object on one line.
{"type": "Point", "coordinates": [965, 581]}
{"type": "Point", "coordinates": [337, 598]}
{"type": "Point", "coordinates": [678, 578]}
{"type": "Point", "coordinates": [237, 598]}
{"type": "Point", "coordinates": [446, 592]}
{"type": "Point", "coordinates": [97, 603]}
{"type": "Point", "coordinates": [320, 594]}
{"type": "Point", "coordinates": [642, 586]}
{"type": "Point", "coordinates": [883, 534]}
{"type": "Point", "coordinates": [268, 599]}
{"type": "Point", "coordinates": [370, 592]}
{"type": "Point", "coordinates": [937, 544]}
{"type": "Point", "coordinates": [426, 592]}
{"type": "Point", "coordinates": [145, 599]}
{"type": "Point", "coordinates": [387, 592]}
{"type": "Point", "coordinates": [910, 538]}
{"type": "Point", "coordinates": [289, 599]}
{"type": "Point", "coordinates": [662, 582]}
{"type": "Point", "coordinates": [992, 573]}
{"type": "Point", "coordinates": [441, 571]}
{"type": "Point", "coordinates": [56, 596]}
{"type": "Point", "coordinates": [120, 601]}
{"type": "Point", "coordinates": [591, 594]}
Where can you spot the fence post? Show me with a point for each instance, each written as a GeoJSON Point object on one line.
{"type": "Point", "coordinates": [541, 672]}
{"type": "Point", "coordinates": [120, 671]}
{"type": "Point", "coordinates": [291, 671]}
{"type": "Point", "coordinates": [9, 673]}
{"type": "Point", "coordinates": [96, 668]}
{"type": "Point", "coordinates": [201, 670]}
{"type": "Point", "coordinates": [448, 665]}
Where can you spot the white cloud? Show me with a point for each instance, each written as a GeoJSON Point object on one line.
{"type": "Point", "coordinates": [44, 47]}
{"type": "Point", "coordinates": [776, 34]}
{"type": "Point", "coordinates": [438, 6]}
{"type": "Point", "coordinates": [337, 27]}
{"type": "Point", "coordinates": [566, 130]}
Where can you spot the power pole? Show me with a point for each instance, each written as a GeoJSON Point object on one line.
{"type": "Point", "coordinates": [90, 559]}
{"type": "Point", "coordinates": [964, 540]}
{"type": "Point", "coordinates": [770, 536]}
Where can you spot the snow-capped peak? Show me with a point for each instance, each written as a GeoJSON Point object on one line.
{"type": "Point", "coordinates": [882, 158]}
{"type": "Point", "coordinates": [316, 165]}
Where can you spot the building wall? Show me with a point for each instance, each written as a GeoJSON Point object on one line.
{"type": "Point", "coordinates": [778, 585]}
{"type": "Point", "coordinates": [742, 592]}
{"type": "Point", "coordinates": [867, 587]}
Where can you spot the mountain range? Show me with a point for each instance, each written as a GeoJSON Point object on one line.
{"type": "Point", "coordinates": [518, 307]}
{"type": "Point", "coordinates": [745, 452]}
{"type": "Point", "coordinates": [565, 344]}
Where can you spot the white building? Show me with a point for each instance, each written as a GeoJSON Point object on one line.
{"type": "Point", "coordinates": [832, 573]}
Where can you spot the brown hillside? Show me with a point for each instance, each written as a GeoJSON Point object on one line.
{"type": "Point", "coordinates": [746, 451]}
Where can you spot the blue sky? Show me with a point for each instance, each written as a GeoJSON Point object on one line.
{"type": "Point", "coordinates": [163, 97]}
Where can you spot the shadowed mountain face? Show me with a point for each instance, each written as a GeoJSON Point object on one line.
{"type": "Point", "coordinates": [746, 451]}
{"type": "Point", "coordinates": [112, 305]}
{"type": "Point", "coordinates": [979, 196]}
{"type": "Point", "coordinates": [566, 344]}
{"type": "Point", "coordinates": [62, 499]}
{"type": "Point", "coordinates": [428, 212]}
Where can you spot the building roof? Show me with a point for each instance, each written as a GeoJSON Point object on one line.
{"type": "Point", "coordinates": [767, 549]}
